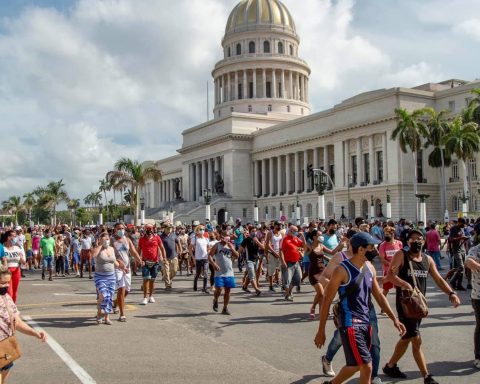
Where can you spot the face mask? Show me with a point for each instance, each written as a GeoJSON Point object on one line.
{"type": "Point", "coordinates": [3, 291]}
{"type": "Point", "coordinates": [295, 234]}
{"type": "Point", "coordinates": [322, 229]}
{"type": "Point", "coordinates": [149, 233]}
{"type": "Point", "coordinates": [15, 241]}
{"type": "Point", "coordinates": [121, 233]}
{"type": "Point", "coordinates": [321, 239]}
{"type": "Point", "coordinates": [370, 255]}
{"type": "Point", "coordinates": [416, 246]}
{"type": "Point", "coordinates": [421, 227]}
{"type": "Point", "coordinates": [106, 243]}
{"type": "Point", "coordinates": [202, 232]}
{"type": "Point", "coordinates": [388, 239]}
{"type": "Point", "coordinates": [226, 239]}
{"type": "Point", "coordinates": [331, 231]}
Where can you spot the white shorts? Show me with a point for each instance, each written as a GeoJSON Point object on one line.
{"type": "Point", "coordinates": [124, 280]}
{"type": "Point", "coordinates": [273, 265]}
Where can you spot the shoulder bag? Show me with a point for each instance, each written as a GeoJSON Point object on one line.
{"type": "Point", "coordinates": [414, 304]}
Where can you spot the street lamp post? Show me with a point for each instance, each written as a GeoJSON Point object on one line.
{"type": "Point", "coordinates": [142, 210]}
{"type": "Point", "coordinates": [226, 214]}
{"type": "Point", "coordinates": [325, 174]}
{"type": "Point", "coordinates": [207, 196]}
{"type": "Point", "coordinates": [389, 205]}
{"type": "Point", "coordinates": [255, 212]}
{"type": "Point", "coordinates": [320, 185]}
{"type": "Point", "coordinates": [464, 197]}
{"type": "Point", "coordinates": [297, 212]}
{"type": "Point", "coordinates": [100, 214]}
{"type": "Point", "coordinates": [423, 206]}
{"type": "Point", "coordinates": [280, 211]}
{"type": "Point", "coordinates": [372, 208]}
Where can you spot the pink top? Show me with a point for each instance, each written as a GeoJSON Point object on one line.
{"type": "Point", "coordinates": [433, 240]}
{"type": "Point", "coordinates": [5, 330]}
{"type": "Point", "coordinates": [36, 243]}
{"type": "Point", "coordinates": [388, 250]}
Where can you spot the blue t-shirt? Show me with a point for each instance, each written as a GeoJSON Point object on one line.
{"type": "Point", "coordinates": [330, 241]}
{"type": "Point", "coordinates": [240, 237]}
{"type": "Point", "coordinates": [2, 252]}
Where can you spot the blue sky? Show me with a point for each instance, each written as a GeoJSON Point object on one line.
{"type": "Point", "coordinates": [83, 82]}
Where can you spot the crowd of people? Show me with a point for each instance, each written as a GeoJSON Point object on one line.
{"type": "Point", "coordinates": [335, 259]}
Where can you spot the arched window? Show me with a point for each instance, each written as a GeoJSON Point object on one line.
{"type": "Point", "coordinates": [266, 46]}
{"type": "Point", "coordinates": [455, 204]}
{"type": "Point", "coordinates": [229, 51]}
{"type": "Point", "coordinates": [249, 108]}
{"type": "Point", "coordinates": [291, 50]}
{"type": "Point", "coordinates": [239, 49]}
{"type": "Point", "coordinates": [378, 205]}
{"type": "Point", "coordinates": [251, 47]}
{"type": "Point", "coordinates": [352, 214]}
{"type": "Point", "coordinates": [280, 48]}
{"type": "Point", "coordinates": [364, 212]}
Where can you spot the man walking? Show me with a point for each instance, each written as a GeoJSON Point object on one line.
{"type": "Point", "coordinates": [290, 260]}
{"type": "Point", "coordinates": [172, 250]}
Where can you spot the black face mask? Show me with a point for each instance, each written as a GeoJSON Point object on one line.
{"type": "Point", "coordinates": [331, 231]}
{"type": "Point", "coordinates": [388, 239]}
{"type": "Point", "coordinates": [149, 233]}
{"type": "Point", "coordinates": [3, 291]}
{"type": "Point", "coordinates": [416, 246]}
{"type": "Point", "coordinates": [370, 255]}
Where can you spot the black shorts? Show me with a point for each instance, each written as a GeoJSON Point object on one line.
{"type": "Point", "coordinates": [357, 341]}
{"type": "Point", "coordinates": [412, 326]}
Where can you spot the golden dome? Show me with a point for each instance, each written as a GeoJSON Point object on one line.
{"type": "Point", "coordinates": [253, 14]}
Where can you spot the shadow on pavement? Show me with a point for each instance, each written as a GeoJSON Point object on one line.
{"type": "Point", "coordinates": [448, 368]}
{"type": "Point", "coordinates": [306, 379]}
{"type": "Point", "coordinates": [160, 316]}
{"type": "Point", "coordinates": [291, 318]}
{"type": "Point", "coordinates": [67, 322]}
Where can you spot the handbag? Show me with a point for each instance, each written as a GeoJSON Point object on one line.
{"type": "Point", "coordinates": [414, 304]}
{"type": "Point", "coordinates": [348, 292]}
{"type": "Point", "coordinates": [9, 348]}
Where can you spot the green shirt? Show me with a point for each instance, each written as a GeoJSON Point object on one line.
{"type": "Point", "coordinates": [47, 245]}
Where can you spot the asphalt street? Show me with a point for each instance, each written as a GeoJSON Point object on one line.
{"type": "Point", "coordinates": [179, 339]}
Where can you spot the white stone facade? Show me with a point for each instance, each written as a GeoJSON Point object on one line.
{"type": "Point", "coordinates": [262, 141]}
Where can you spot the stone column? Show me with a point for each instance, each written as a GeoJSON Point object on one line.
{"type": "Point", "coordinates": [307, 93]}
{"type": "Point", "coordinates": [371, 158]}
{"type": "Point", "coordinates": [284, 96]}
{"type": "Point", "coordinates": [192, 182]}
{"type": "Point", "coordinates": [346, 145]}
{"type": "Point", "coordinates": [254, 83]}
{"type": "Point", "coordinates": [316, 163]}
{"type": "Point", "coordinates": [229, 85]}
{"type": "Point", "coordinates": [264, 177]}
{"type": "Point", "coordinates": [384, 158]}
{"type": "Point", "coordinates": [279, 175]}
{"type": "Point", "coordinates": [305, 171]}
{"type": "Point", "coordinates": [236, 85]}
{"type": "Point", "coordinates": [326, 165]}
{"type": "Point", "coordinates": [304, 88]}
{"type": "Point", "coordinates": [215, 86]}
{"type": "Point", "coordinates": [297, 81]}
{"type": "Point", "coordinates": [208, 169]}
{"type": "Point", "coordinates": [245, 88]}
{"type": "Point", "coordinates": [274, 84]}
{"type": "Point", "coordinates": [359, 161]}
{"type": "Point", "coordinates": [297, 172]}
{"type": "Point", "coordinates": [271, 177]}
{"type": "Point", "coordinates": [256, 178]}
{"type": "Point", "coordinates": [291, 96]}
{"type": "Point", "coordinates": [264, 83]}
{"type": "Point", "coordinates": [198, 186]}
{"type": "Point", "coordinates": [288, 174]}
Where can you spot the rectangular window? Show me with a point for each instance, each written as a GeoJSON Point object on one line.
{"type": "Point", "coordinates": [269, 89]}
{"type": "Point", "coordinates": [455, 170]}
{"type": "Point", "coordinates": [473, 168]}
{"type": "Point", "coordinates": [380, 166]}
{"type": "Point", "coordinates": [244, 212]}
{"type": "Point", "coordinates": [354, 170]}
{"type": "Point", "coordinates": [280, 90]}
{"type": "Point", "coordinates": [420, 166]}
{"type": "Point", "coordinates": [366, 167]}
{"type": "Point", "coordinates": [240, 93]}
{"type": "Point", "coordinates": [451, 105]}
{"type": "Point", "coordinates": [332, 172]}
{"type": "Point", "coordinates": [250, 90]}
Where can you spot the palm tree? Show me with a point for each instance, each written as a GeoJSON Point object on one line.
{"type": "Point", "coordinates": [409, 132]}
{"type": "Point", "coordinates": [93, 198]}
{"type": "Point", "coordinates": [105, 186]}
{"type": "Point", "coordinates": [13, 206]}
{"type": "Point", "coordinates": [462, 140]}
{"type": "Point", "coordinates": [437, 125]}
{"type": "Point", "coordinates": [134, 174]}
{"type": "Point", "coordinates": [73, 205]}
{"type": "Point", "coordinates": [29, 203]}
{"type": "Point", "coordinates": [51, 196]}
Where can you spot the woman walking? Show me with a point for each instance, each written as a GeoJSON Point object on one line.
{"type": "Point", "coordinates": [13, 257]}
{"type": "Point", "coordinates": [105, 279]}
{"type": "Point", "coordinates": [60, 253]}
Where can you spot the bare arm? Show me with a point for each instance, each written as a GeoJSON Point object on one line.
{"type": "Point", "coordinates": [392, 274]}
{"type": "Point", "coordinates": [27, 330]}
{"type": "Point", "coordinates": [133, 251]}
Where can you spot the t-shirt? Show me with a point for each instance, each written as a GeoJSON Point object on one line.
{"type": "Point", "coordinates": [169, 242]}
{"type": "Point", "coordinates": [13, 256]}
{"type": "Point", "coordinates": [388, 250]}
{"type": "Point", "coordinates": [47, 245]}
{"type": "Point", "coordinates": [251, 247]}
{"type": "Point", "coordinates": [433, 241]}
{"type": "Point", "coordinates": [36, 242]}
{"type": "Point", "coordinates": [200, 246]}
{"type": "Point", "coordinates": [121, 251]}
{"type": "Point", "coordinates": [87, 243]}
{"type": "Point", "coordinates": [5, 330]}
{"type": "Point", "coordinates": [149, 247]}
{"type": "Point", "coordinates": [28, 240]}
{"type": "Point", "coordinates": [76, 246]}
{"type": "Point", "coordinates": [474, 254]}
{"type": "Point", "coordinates": [239, 235]}
{"type": "Point", "coordinates": [223, 257]}
{"type": "Point", "coordinates": [330, 241]}
{"type": "Point", "coordinates": [458, 246]}
{"type": "Point", "coordinates": [290, 245]}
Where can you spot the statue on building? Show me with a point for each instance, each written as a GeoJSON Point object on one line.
{"type": "Point", "coordinates": [178, 193]}
{"type": "Point", "coordinates": [219, 185]}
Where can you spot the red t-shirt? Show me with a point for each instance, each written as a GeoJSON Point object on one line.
{"type": "Point", "coordinates": [290, 247]}
{"type": "Point", "coordinates": [149, 247]}
{"type": "Point", "coordinates": [433, 241]}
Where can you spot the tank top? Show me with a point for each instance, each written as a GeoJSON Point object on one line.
{"type": "Point", "coordinates": [223, 257]}
{"type": "Point", "coordinates": [121, 251]}
{"type": "Point", "coordinates": [104, 262]}
{"type": "Point", "coordinates": [420, 269]}
{"type": "Point", "coordinates": [317, 263]}
{"type": "Point", "coordinates": [355, 308]}
{"type": "Point", "coordinates": [276, 239]}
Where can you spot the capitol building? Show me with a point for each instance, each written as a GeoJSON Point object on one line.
{"type": "Point", "coordinates": [264, 139]}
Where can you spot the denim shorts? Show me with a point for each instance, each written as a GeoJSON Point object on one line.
{"type": "Point", "coordinates": [225, 282]}
{"type": "Point", "coordinates": [29, 254]}
{"type": "Point", "coordinates": [252, 269]}
{"type": "Point", "coordinates": [150, 273]}
{"type": "Point", "coordinates": [47, 262]}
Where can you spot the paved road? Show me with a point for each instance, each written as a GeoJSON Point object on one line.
{"type": "Point", "coordinates": [179, 339]}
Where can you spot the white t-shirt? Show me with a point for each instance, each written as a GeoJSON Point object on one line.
{"type": "Point", "coordinates": [474, 254]}
{"type": "Point", "coordinates": [13, 256]}
{"type": "Point", "coordinates": [86, 243]}
{"type": "Point", "coordinates": [200, 244]}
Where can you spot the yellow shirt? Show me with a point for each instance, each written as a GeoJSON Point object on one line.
{"type": "Point", "coordinates": [28, 240]}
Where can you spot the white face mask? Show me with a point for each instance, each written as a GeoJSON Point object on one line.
{"type": "Point", "coordinates": [106, 243]}
{"type": "Point", "coordinates": [321, 239]}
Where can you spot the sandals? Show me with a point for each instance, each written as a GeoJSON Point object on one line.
{"type": "Point", "coordinates": [99, 320]}
{"type": "Point", "coordinates": [108, 322]}
{"type": "Point", "coordinates": [122, 319]}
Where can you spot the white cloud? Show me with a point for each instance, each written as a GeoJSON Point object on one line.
{"type": "Point", "coordinates": [470, 27]}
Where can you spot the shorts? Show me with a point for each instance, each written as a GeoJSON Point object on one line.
{"type": "Point", "coordinates": [7, 367]}
{"type": "Point", "coordinates": [47, 262]}
{"type": "Point", "coordinates": [86, 255]}
{"type": "Point", "coordinates": [224, 282]}
{"type": "Point", "coordinates": [124, 280]}
{"type": "Point", "coordinates": [273, 265]}
{"type": "Point", "coordinates": [35, 252]}
{"type": "Point", "coordinates": [252, 269]}
{"type": "Point", "coordinates": [412, 326]}
{"type": "Point", "coordinates": [29, 254]}
{"type": "Point", "coordinates": [150, 273]}
{"type": "Point", "coordinates": [76, 258]}
{"type": "Point", "coordinates": [357, 341]}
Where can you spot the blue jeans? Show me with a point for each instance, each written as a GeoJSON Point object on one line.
{"type": "Point", "coordinates": [294, 275]}
{"type": "Point", "coordinates": [436, 257]}
{"type": "Point", "coordinates": [336, 343]}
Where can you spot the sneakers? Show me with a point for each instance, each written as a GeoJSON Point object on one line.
{"type": "Point", "coordinates": [327, 367]}
{"type": "Point", "coordinates": [151, 299]}
{"type": "Point", "coordinates": [394, 372]}
{"type": "Point", "coordinates": [377, 380]}
{"type": "Point", "coordinates": [429, 380]}
{"type": "Point", "coordinates": [215, 305]}
{"type": "Point", "coordinates": [144, 301]}
{"type": "Point", "coordinates": [246, 290]}
{"type": "Point", "coordinates": [476, 363]}
{"type": "Point", "coordinates": [226, 312]}
{"type": "Point", "coordinates": [289, 297]}
{"type": "Point", "coordinates": [271, 289]}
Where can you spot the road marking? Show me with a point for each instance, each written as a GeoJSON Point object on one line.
{"type": "Point", "coordinates": [54, 303]}
{"type": "Point", "coordinates": [49, 285]}
{"type": "Point", "coordinates": [73, 313]}
{"type": "Point", "coordinates": [75, 294]}
{"type": "Point", "coordinates": [77, 370]}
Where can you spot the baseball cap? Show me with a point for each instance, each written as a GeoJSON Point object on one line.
{"type": "Point", "coordinates": [362, 239]}
{"type": "Point", "coordinates": [412, 232]}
